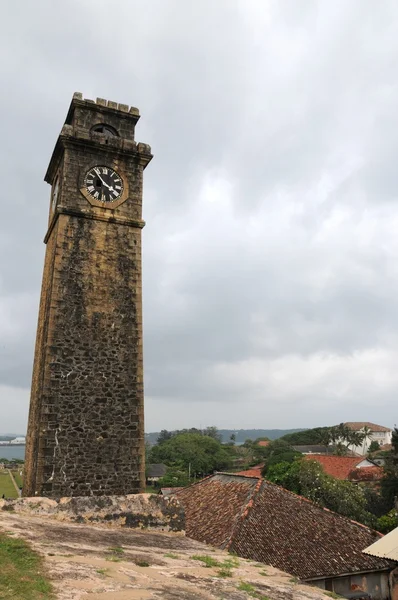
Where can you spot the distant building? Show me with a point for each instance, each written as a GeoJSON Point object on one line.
{"type": "Point", "coordinates": [155, 472]}
{"type": "Point", "coordinates": [377, 433]}
{"type": "Point", "coordinates": [18, 440]}
{"type": "Point", "coordinates": [349, 468]}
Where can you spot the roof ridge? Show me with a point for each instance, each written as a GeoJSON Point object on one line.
{"type": "Point", "coordinates": [244, 512]}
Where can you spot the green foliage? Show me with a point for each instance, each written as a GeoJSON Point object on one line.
{"type": "Point", "coordinates": [307, 437]}
{"type": "Point", "coordinates": [388, 522]}
{"type": "Point", "coordinates": [278, 451]}
{"type": "Point", "coordinates": [308, 479]}
{"type": "Point", "coordinates": [251, 590]}
{"type": "Point", "coordinates": [174, 478]}
{"type": "Point", "coordinates": [246, 587]}
{"type": "Point", "coordinates": [375, 503]}
{"type": "Point", "coordinates": [164, 435]}
{"type": "Point", "coordinates": [389, 484]}
{"type": "Point", "coordinates": [201, 454]}
{"type": "Point", "coordinates": [22, 573]}
{"type": "Point", "coordinates": [211, 432]}
{"type": "Point", "coordinates": [374, 446]}
{"type": "Point", "coordinates": [141, 563]}
{"type": "Point", "coordinates": [224, 572]}
{"type": "Point", "coordinates": [116, 550]}
{"type": "Point", "coordinates": [225, 566]}
{"type": "Point", "coordinates": [208, 561]}
{"type": "Point", "coordinates": [338, 435]}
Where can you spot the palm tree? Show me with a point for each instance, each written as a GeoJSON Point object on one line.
{"type": "Point", "coordinates": [367, 436]}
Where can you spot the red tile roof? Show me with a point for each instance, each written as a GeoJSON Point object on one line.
{"type": "Point", "coordinates": [337, 466]}
{"type": "Point", "coordinates": [225, 496]}
{"type": "Point", "coordinates": [253, 472]}
{"type": "Point", "coordinates": [263, 443]}
{"type": "Point", "coordinates": [358, 425]}
{"type": "Point", "coordinates": [264, 522]}
{"type": "Point", "coordinates": [386, 447]}
{"type": "Point", "coordinates": [367, 474]}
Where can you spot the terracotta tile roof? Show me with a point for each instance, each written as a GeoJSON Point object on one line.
{"type": "Point", "coordinates": [358, 425]}
{"type": "Point", "coordinates": [225, 496]}
{"type": "Point", "coordinates": [262, 521]}
{"type": "Point", "coordinates": [367, 474]}
{"type": "Point", "coordinates": [263, 443]}
{"type": "Point", "coordinates": [336, 466]}
{"type": "Point", "coordinates": [385, 447]}
{"type": "Point", "coordinates": [252, 472]}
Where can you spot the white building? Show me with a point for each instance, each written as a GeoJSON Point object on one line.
{"type": "Point", "coordinates": [376, 433]}
{"type": "Point", "coordinates": [18, 440]}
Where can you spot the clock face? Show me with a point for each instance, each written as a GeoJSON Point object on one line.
{"type": "Point", "coordinates": [103, 184]}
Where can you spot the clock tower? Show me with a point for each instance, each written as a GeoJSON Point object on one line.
{"type": "Point", "coordinates": [86, 419]}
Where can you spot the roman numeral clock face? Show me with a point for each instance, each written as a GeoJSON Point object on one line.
{"type": "Point", "coordinates": [103, 184]}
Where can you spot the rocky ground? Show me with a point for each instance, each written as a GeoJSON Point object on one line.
{"type": "Point", "coordinates": [107, 562]}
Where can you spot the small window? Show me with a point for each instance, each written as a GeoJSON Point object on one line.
{"type": "Point", "coordinates": [106, 129]}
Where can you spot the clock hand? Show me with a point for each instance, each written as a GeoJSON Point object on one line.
{"type": "Point", "coordinates": [104, 182]}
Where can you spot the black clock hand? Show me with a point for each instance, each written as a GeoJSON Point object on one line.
{"type": "Point", "coordinates": [104, 182]}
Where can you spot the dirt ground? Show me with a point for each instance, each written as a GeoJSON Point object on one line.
{"type": "Point", "coordinates": [103, 563]}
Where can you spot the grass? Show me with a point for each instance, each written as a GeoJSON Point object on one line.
{"type": "Point", "coordinates": [208, 561]}
{"type": "Point", "coordinates": [171, 555]}
{"type": "Point", "coordinates": [231, 563]}
{"type": "Point", "coordinates": [116, 554]}
{"type": "Point", "coordinates": [6, 486]}
{"type": "Point", "coordinates": [22, 573]}
{"type": "Point", "coordinates": [224, 572]}
{"type": "Point", "coordinates": [17, 477]}
{"type": "Point", "coordinates": [251, 590]}
{"type": "Point", "coordinates": [142, 563]}
{"type": "Point", "coordinates": [116, 550]}
{"type": "Point", "coordinates": [102, 571]}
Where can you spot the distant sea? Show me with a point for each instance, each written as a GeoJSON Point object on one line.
{"type": "Point", "coordinates": [10, 452]}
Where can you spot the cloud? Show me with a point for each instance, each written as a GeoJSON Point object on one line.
{"type": "Point", "coordinates": [270, 250]}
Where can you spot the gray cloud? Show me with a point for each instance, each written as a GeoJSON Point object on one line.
{"type": "Point", "coordinates": [270, 250]}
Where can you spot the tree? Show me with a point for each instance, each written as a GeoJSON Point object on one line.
{"type": "Point", "coordinates": [164, 435]}
{"type": "Point", "coordinates": [213, 433]}
{"type": "Point", "coordinates": [366, 436]}
{"type": "Point", "coordinates": [389, 484]}
{"type": "Point", "coordinates": [374, 446]}
{"type": "Point", "coordinates": [308, 479]}
{"type": "Point", "coordinates": [174, 478]}
{"type": "Point", "coordinates": [306, 437]}
{"type": "Point", "coordinates": [388, 522]}
{"type": "Point", "coordinates": [276, 452]}
{"type": "Point", "coordinates": [192, 452]}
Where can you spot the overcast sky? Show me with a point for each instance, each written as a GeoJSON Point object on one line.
{"type": "Point", "coordinates": [271, 245]}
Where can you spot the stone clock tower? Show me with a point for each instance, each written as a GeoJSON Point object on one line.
{"type": "Point", "coordinates": [86, 420]}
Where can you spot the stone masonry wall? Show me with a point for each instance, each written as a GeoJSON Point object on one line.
{"type": "Point", "coordinates": [92, 402]}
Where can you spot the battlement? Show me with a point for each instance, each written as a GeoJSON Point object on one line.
{"type": "Point", "coordinates": [132, 110]}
